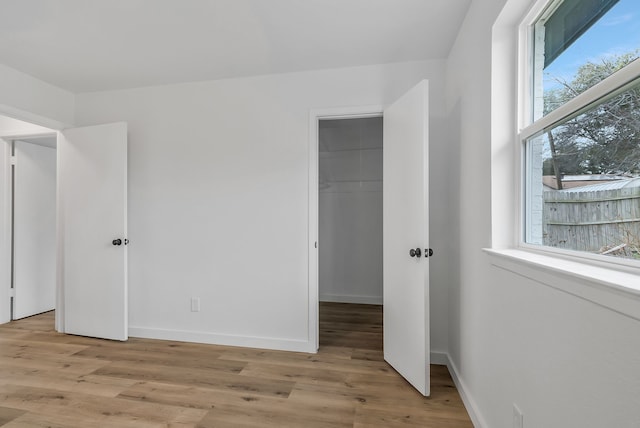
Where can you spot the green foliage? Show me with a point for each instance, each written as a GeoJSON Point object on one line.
{"type": "Point", "coordinates": [606, 138]}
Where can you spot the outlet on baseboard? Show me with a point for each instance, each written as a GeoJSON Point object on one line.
{"type": "Point", "coordinates": [517, 417]}
{"type": "Point", "coordinates": [195, 304]}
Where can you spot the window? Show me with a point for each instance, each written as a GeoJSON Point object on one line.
{"type": "Point", "coordinates": [582, 140]}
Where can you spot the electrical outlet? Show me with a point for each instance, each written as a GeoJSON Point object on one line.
{"type": "Point", "coordinates": [195, 304]}
{"type": "Point", "coordinates": [517, 417]}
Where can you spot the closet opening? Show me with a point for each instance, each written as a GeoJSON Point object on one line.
{"type": "Point", "coordinates": [350, 232]}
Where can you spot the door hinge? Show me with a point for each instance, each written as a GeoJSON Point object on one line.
{"type": "Point", "coordinates": [12, 292]}
{"type": "Point", "coordinates": [12, 160]}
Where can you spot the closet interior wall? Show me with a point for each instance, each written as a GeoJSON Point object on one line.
{"type": "Point", "coordinates": [350, 210]}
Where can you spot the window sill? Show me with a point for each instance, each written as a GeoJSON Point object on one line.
{"type": "Point", "coordinates": [615, 289]}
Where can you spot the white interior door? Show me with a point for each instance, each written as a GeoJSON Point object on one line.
{"type": "Point", "coordinates": [405, 228]}
{"type": "Point", "coordinates": [93, 211]}
{"type": "Point", "coordinates": [34, 229]}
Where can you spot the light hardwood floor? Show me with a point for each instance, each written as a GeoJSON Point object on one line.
{"type": "Point", "coordinates": [53, 380]}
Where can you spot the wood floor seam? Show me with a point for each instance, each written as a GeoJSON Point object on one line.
{"type": "Point", "coordinates": [54, 380]}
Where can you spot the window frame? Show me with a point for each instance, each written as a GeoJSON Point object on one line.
{"type": "Point", "coordinates": [527, 128]}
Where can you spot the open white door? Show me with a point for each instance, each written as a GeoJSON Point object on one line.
{"type": "Point", "coordinates": [93, 230]}
{"type": "Point", "coordinates": [34, 229]}
{"type": "Point", "coordinates": [405, 237]}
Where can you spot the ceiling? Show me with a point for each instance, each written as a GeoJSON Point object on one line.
{"type": "Point", "coordinates": [93, 45]}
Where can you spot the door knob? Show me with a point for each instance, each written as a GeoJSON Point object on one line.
{"type": "Point", "coordinates": [428, 252]}
{"type": "Point", "coordinates": [117, 242]}
{"type": "Point", "coordinates": [415, 253]}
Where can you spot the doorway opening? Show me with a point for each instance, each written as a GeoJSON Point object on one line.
{"type": "Point", "coordinates": [28, 171]}
{"type": "Point", "coordinates": [90, 252]}
{"type": "Point", "coordinates": [33, 221]}
{"type": "Point", "coordinates": [350, 232]}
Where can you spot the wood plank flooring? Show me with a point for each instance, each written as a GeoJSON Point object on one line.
{"type": "Point", "coordinates": [53, 380]}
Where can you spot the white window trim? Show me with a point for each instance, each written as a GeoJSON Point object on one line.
{"type": "Point", "coordinates": [613, 283]}
{"type": "Point", "coordinates": [614, 289]}
{"type": "Point", "coordinates": [615, 83]}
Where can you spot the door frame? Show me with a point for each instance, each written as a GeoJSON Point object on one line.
{"type": "Point", "coordinates": [5, 280]}
{"type": "Point", "coordinates": [6, 231]}
{"type": "Point", "coordinates": [6, 206]}
{"type": "Point", "coordinates": [315, 115]}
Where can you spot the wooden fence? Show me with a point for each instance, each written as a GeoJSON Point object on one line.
{"type": "Point", "coordinates": [603, 221]}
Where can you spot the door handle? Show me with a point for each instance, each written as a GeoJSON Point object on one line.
{"type": "Point", "coordinates": [415, 253]}
{"type": "Point", "coordinates": [117, 242]}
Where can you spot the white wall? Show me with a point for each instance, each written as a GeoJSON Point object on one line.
{"type": "Point", "coordinates": [26, 98]}
{"type": "Point", "coordinates": [218, 197]}
{"type": "Point", "coordinates": [565, 361]}
{"type": "Point", "coordinates": [350, 211]}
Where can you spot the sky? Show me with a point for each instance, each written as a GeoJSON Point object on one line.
{"type": "Point", "coordinates": [617, 32]}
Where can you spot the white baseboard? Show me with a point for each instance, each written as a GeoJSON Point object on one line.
{"type": "Point", "coordinates": [439, 358]}
{"type": "Point", "coordinates": [467, 400]}
{"type": "Point", "coordinates": [338, 298]}
{"type": "Point", "coordinates": [223, 339]}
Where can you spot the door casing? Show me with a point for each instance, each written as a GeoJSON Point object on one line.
{"type": "Point", "coordinates": [6, 231]}
{"type": "Point", "coordinates": [45, 288]}
{"type": "Point", "coordinates": [315, 115]}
